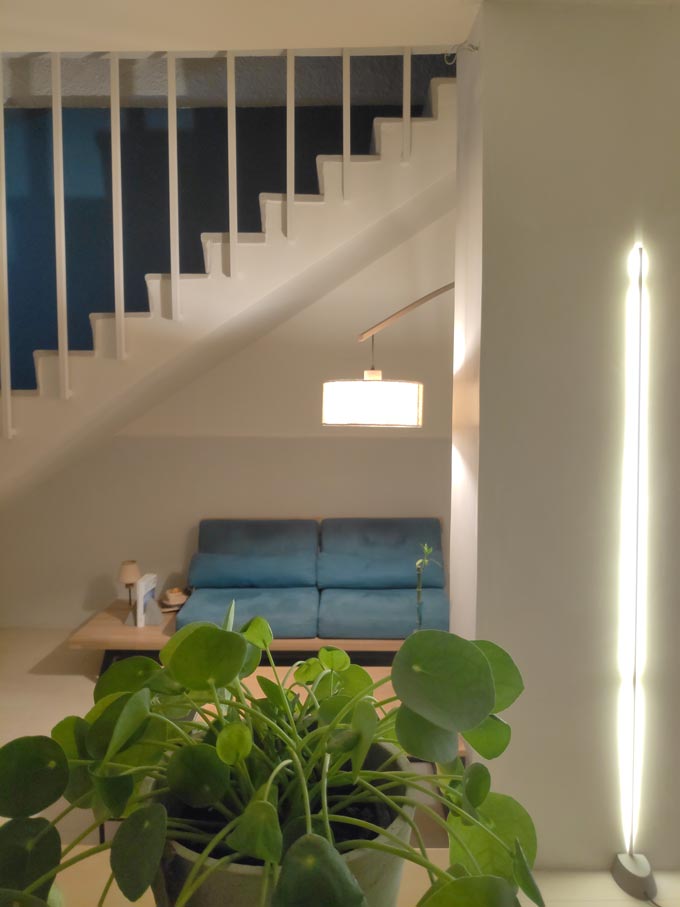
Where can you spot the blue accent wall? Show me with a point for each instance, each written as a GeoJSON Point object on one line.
{"type": "Point", "coordinates": [202, 143]}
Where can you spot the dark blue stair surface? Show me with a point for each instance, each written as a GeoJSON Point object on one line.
{"type": "Point", "coordinates": [203, 202]}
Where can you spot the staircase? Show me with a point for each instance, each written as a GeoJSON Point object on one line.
{"type": "Point", "coordinates": [272, 277]}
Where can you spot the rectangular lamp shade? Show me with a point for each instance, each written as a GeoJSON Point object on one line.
{"type": "Point", "coordinates": [374, 403]}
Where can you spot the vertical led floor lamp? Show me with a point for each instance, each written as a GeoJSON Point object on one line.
{"type": "Point", "coordinates": [373, 402]}
{"type": "Point", "coordinates": [632, 870]}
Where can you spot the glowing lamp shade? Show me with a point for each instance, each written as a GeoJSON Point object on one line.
{"type": "Point", "coordinates": [373, 402]}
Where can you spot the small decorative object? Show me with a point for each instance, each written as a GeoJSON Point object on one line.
{"type": "Point", "coordinates": [128, 575]}
{"type": "Point", "coordinates": [173, 599]}
{"type": "Point", "coordinates": [421, 564]}
{"type": "Point", "coordinates": [295, 791]}
{"type": "Point", "coordinates": [146, 593]}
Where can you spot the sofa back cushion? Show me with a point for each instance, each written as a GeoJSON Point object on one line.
{"type": "Point", "coordinates": [263, 571]}
{"type": "Point", "coordinates": [379, 553]}
{"type": "Point", "coordinates": [255, 553]}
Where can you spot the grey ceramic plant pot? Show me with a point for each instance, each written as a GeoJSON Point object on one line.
{"type": "Point", "coordinates": [378, 874]}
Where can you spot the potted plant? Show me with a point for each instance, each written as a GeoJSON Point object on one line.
{"type": "Point", "coordinates": [282, 792]}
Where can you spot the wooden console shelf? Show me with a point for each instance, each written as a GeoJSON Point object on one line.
{"type": "Point", "coordinates": [107, 631]}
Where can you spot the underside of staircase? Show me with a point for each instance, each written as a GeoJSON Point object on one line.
{"type": "Point", "coordinates": [333, 235]}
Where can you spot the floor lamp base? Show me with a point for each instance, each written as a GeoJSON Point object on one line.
{"type": "Point", "coordinates": [633, 874]}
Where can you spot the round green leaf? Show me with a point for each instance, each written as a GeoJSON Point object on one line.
{"type": "Point", "coordinates": [273, 692]}
{"type": "Point", "coordinates": [308, 671]}
{"type": "Point", "coordinates": [208, 656]}
{"type": "Point", "coordinates": [365, 723]}
{"type": "Point", "coordinates": [424, 740]}
{"type": "Point", "coordinates": [10, 898]}
{"type": "Point", "coordinates": [258, 632]}
{"type": "Point", "coordinates": [197, 775]}
{"type": "Point", "coordinates": [472, 891]}
{"type": "Point", "coordinates": [330, 708]}
{"type": "Point", "coordinates": [334, 659]}
{"type": "Point", "coordinates": [509, 821]}
{"type": "Point", "coordinates": [147, 746]}
{"type": "Point", "coordinates": [55, 897]}
{"type": "Point", "coordinates": [100, 707]}
{"type": "Point", "coordinates": [28, 849]}
{"type": "Point", "coordinates": [71, 735]}
{"type": "Point", "coordinates": [342, 740]}
{"type": "Point", "coordinates": [491, 738]}
{"type": "Point", "coordinates": [101, 729]}
{"type": "Point", "coordinates": [136, 850]}
{"type": "Point", "coordinates": [444, 679]}
{"type": "Point", "coordinates": [114, 791]}
{"type": "Point", "coordinates": [314, 873]}
{"type": "Point", "coordinates": [234, 742]}
{"type": "Point", "coordinates": [507, 679]}
{"type": "Point", "coordinates": [134, 715]}
{"type": "Point", "coordinates": [251, 661]}
{"type": "Point", "coordinates": [34, 774]}
{"type": "Point", "coordinates": [355, 680]}
{"type": "Point", "coordinates": [258, 833]}
{"type": "Point", "coordinates": [177, 638]}
{"type": "Point", "coordinates": [126, 676]}
{"type": "Point", "coordinates": [476, 783]}
{"type": "Point", "coordinates": [524, 877]}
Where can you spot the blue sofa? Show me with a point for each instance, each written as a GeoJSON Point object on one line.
{"type": "Point", "coordinates": [338, 579]}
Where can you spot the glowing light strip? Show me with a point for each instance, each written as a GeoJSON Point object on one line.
{"type": "Point", "coordinates": [632, 641]}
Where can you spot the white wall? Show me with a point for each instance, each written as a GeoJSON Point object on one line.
{"type": "Point", "coordinates": [37, 25]}
{"type": "Point", "coordinates": [246, 440]}
{"type": "Point", "coordinates": [581, 151]}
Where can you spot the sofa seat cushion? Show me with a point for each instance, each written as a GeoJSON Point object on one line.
{"type": "Point", "coordinates": [375, 571]}
{"type": "Point", "coordinates": [267, 571]}
{"type": "Point", "coordinates": [379, 613]}
{"type": "Point", "coordinates": [292, 613]}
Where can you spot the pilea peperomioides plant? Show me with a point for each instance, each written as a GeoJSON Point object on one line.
{"type": "Point", "coordinates": [285, 780]}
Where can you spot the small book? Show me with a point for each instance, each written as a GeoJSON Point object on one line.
{"type": "Point", "coordinates": [145, 597]}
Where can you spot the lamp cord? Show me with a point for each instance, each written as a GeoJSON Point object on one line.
{"type": "Point", "coordinates": [372, 352]}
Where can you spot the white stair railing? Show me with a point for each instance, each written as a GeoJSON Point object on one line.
{"type": "Point", "coordinates": [60, 228]}
{"type": "Point", "coordinates": [6, 413]}
{"type": "Point", "coordinates": [406, 106]}
{"type": "Point", "coordinates": [346, 121]}
{"type": "Point", "coordinates": [290, 142]}
{"type": "Point", "coordinates": [173, 177]}
{"type": "Point", "coordinates": [117, 207]}
{"type": "Point", "coordinates": [5, 354]}
{"type": "Point", "coordinates": [231, 164]}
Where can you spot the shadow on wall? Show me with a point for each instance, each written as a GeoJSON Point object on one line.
{"type": "Point", "coordinates": [203, 201]}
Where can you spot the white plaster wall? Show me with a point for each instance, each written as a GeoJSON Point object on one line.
{"type": "Point", "coordinates": [239, 24]}
{"type": "Point", "coordinates": [246, 440]}
{"type": "Point", "coordinates": [581, 150]}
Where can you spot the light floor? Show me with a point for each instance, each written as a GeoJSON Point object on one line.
{"type": "Point", "coordinates": [41, 681]}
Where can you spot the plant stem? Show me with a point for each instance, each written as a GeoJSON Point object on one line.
{"type": "Point", "coordinates": [109, 883]}
{"type": "Point", "coordinates": [448, 803]}
{"type": "Point", "coordinates": [324, 797]}
{"type": "Point", "coordinates": [273, 775]}
{"type": "Point", "coordinates": [80, 837]}
{"type": "Point", "coordinates": [284, 694]}
{"type": "Point", "coordinates": [186, 894]}
{"type": "Point", "coordinates": [410, 855]}
{"type": "Point", "coordinates": [186, 737]}
{"type": "Point", "coordinates": [266, 877]}
{"type": "Point", "coordinates": [67, 865]}
{"type": "Point", "coordinates": [401, 812]}
{"type": "Point", "coordinates": [203, 856]}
